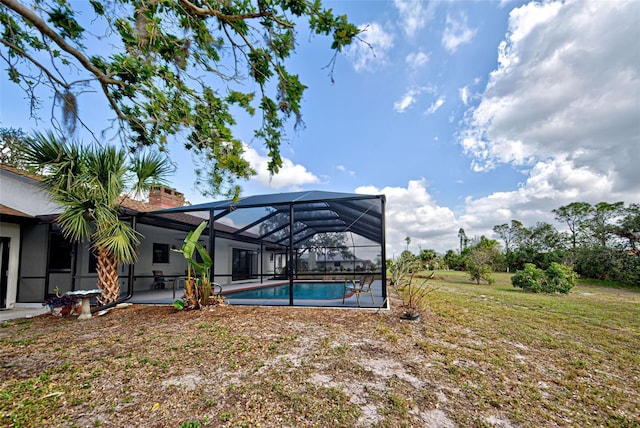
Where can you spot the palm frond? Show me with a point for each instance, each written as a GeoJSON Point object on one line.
{"type": "Point", "coordinates": [105, 172]}
{"type": "Point", "coordinates": [120, 240]}
{"type": "Point", "coordinates": [44, 149]}
{"type": "Point", "coordinates": [75, 223]}
{"type": "Point", "coordinates": [105, 216]}
{"type": "Point", "coordinates": [150, 168]}
{"type": "Point", "coordinates": [59, 163]}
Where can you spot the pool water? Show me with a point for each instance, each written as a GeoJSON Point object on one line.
{"type": "Point", "coordinates": [305, 291]}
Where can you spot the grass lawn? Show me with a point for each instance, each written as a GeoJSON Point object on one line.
{"type": "Point", "coordinates": [479, 356]}
{"type": "Point", "coordinates": [553, 359]}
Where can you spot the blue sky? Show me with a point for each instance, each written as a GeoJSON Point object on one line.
{"type": "Point", "coordinates": [464, 114]}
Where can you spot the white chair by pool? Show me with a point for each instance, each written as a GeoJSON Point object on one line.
{"type": "Point", "coordinates": [362, 286]}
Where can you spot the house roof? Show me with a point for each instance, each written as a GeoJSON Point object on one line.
{"type": "Point", "coordinates": [8, 211]}
{"type": "Point", "coordinates": [314, 212]}
{"type": "Point", "coordinates": [14, 206]}
{"type": "Point", "coordinates": [137, 206]}
{"type": "Point", "coordinates": [20, 172]}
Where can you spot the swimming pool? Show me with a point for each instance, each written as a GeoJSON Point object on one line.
{"type": "Point", "coordinates": [301, 290]}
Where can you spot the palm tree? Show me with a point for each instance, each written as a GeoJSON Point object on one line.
{"type": "Point", "coordinates": [90, 183]}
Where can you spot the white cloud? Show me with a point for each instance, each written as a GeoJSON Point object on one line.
{"type": "Point", "coordinates": [550, 184]}
{"type": "Point", "coordinates": [412, 212]}
{"type": "Point", "coordinates": [456, 33]}
{"type": "Point", "coordinates": [345, 170]}
{"type": "Point", "coordinates": [566, 89]}
{"type": "Point", "coordinates": [435, 105]}
{"type": "Point", "coordinates": [416, 60]}
{"type": "Point", "coordinates": [523, 20]}
{"type": "Point", "coordinates": [414, 15]}
{"type": "Point", "coordinates": [378, 42]}
{"type": "Point", "coordinates": [290, 176]}
{"type": "Point", "coordinates": [411, 97]}
{"type": "Point", "coordinates": [464, 95]}
{"type": "Point", "coordinates": [407, 101]}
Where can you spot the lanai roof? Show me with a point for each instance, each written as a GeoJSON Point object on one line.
{"type": "Point", "coordinates": [314, 212]}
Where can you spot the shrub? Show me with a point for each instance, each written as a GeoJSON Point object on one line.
{"type": "Point", "coordinates": [599, 263]}
{"type": "Point", "coordinates": [413, 288]}
{"type": "Point", "coordinates": [559, 278]}
{"type": "Point", "coordinates": [478, 272]}
{"type": "Point", "coordinates": [556, 279]}
{"type": "Point", "coordinates": [631, 269]}
{"type": "Point", "coordinates": [529, 279]}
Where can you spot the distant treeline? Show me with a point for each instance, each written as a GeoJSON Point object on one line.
{"type": "Point", "coordinates": [602, 242]}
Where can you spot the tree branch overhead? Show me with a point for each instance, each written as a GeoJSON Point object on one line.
{"type": "Point", "coordinates": [162, 64]}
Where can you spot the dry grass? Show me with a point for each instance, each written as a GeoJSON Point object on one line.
{"type": "Point", "coordinates": [479, 356]}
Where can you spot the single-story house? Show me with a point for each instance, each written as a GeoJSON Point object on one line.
{"type": "Point", "coordinates": [250, 239]}
{"type": "Point", "coordinates": [334, 261]}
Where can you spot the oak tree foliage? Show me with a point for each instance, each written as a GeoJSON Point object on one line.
{"type": "Point", "coordinates": [170, 68]}
{"type": "Point", "coordinates": [13, 142]}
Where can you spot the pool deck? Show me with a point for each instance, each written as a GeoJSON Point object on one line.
{"type": "Point", "coordinates": [166, 297]}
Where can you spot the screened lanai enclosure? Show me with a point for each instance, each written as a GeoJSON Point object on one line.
{"type": "Point", "coordinates": [296, 248]}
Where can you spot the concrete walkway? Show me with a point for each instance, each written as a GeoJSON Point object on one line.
{"type": "Point", "coordinates": [22, 312]}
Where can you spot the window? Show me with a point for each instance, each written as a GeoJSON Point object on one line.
{"type": "Point", "coordinates": [59, 252]}
{"type": "Point", "coordinates": [160, 253]}
{"type": "Point", "coordinates": [244, 264]}
{"type": "Point", "coordinates": [93, 262]}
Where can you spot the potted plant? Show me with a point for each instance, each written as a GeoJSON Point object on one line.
{"type": "Point", "coordinates": [61, 305]}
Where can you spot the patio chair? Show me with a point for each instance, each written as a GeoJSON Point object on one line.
{"type": "Point", "coordinates": [159, 280]}
{"type": "Point", "coordinates": [362, 286]}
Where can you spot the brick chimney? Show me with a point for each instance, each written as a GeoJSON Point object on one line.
{"type": "Point", "coordinates": [165, 197]}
